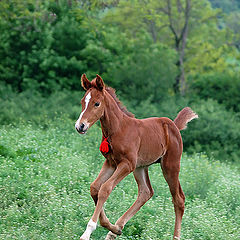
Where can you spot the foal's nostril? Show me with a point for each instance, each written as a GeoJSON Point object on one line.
{"type": "Point", "coordinates": [82, 126]}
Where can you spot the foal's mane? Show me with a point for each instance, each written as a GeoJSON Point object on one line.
{"type": "Point", "coordinates": [112, 92]}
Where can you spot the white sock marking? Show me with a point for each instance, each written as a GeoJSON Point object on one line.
{"type": "Point", "coordinates": [90, 228]}
{"type": "Point", "coordinates": [87, 100]}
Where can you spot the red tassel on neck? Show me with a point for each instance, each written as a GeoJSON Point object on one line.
{"type": "Point", "coordinates": [104, 147]}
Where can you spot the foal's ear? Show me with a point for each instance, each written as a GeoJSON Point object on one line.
{"type": "Point", "coordinates": [86, 84]}
{"type": "Point", "coordinates": [99, 83]}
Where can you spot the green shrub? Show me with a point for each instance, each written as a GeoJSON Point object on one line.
{"type": "Point", "coordinates": [32, 106]}
{"type": "Point", "coordinates": [199, 175]}
{"type": "Point", "coordinates": [43, 50]}
{"type": "Point", "coordinates": [168, 107]}
{"type": "Point", "coordinates": [216, 132]}
{"type": "Point", "coordinates": [222, 87]}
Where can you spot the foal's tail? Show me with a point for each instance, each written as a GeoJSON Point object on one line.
{"type": "Point", "coordinates": [183, 117]}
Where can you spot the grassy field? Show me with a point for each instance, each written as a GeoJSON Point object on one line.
{"type": "Point", "coordinates": [45, 173]}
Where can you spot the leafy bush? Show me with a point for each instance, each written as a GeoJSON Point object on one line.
{"type": "Point", "coordinates": [222, 87]}
{"type": "Point", "coordinates": [167, 107]}
{"type": "Point", "coordinates": [216, 132]}
{"type": "Point", "coordinates": [42, 50]}
{"type": "Point", "coordinates": [196, 170]}
{"type": "Point", "coordinates": [33, 107]}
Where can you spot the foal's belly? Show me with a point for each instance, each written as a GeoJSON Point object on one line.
{"type": "Point", "coordinates": [146, 158]}
{"type": "Point", "coordinates": [153, 143]}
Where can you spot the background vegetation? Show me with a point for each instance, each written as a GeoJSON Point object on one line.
{"type": "Point", "coordinates": [160, 56]}
{"type": "Point", "coordinates": [45, 176]}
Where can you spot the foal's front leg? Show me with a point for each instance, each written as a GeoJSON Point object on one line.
{"type": "Point", "coordinates": [105, 173]}
{"type": "Point", "coordinates": [122, 170]}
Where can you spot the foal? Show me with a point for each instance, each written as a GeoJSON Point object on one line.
{"type": "Point", "coordinates": [131, 145]}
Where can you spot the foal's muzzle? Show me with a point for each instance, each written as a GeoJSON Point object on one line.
{"type": "Point", "coordinates": [81, 128]}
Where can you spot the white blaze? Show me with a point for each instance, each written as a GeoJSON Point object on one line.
{"type": "Point", "coordinates": [87, 100]}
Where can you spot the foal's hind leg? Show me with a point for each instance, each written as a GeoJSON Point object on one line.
{"type": "Point", "coordinates": [145, 192]}
{"type": "Point", "coordinates": [171, 167]}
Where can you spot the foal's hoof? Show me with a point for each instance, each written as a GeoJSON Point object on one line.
{"type": "Point", "coordinates": [111, 236]}
{"type": "Point", "coordinates": [116, 230]}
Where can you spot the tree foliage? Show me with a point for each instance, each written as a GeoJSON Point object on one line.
{"type": "Point", "coordinates": [226, 5]}
{"type": "Point", "coordinates": [51, 43]}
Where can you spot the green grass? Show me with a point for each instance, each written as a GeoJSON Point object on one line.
{"type": "Point", "coordinates": [45, 174]}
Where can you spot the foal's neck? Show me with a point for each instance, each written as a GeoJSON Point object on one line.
{"type": "Point", "coordinates": [112, 118]}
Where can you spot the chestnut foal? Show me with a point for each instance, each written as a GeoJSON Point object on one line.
{"type": "Point", "coordinates": [133, 145]}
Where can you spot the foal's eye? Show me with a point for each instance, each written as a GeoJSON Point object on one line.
{"type": "Point", "coordinates": [97, 104]}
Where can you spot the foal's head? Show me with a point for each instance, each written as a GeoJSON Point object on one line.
{"type": "Point", "coordinates": [92, 103]}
